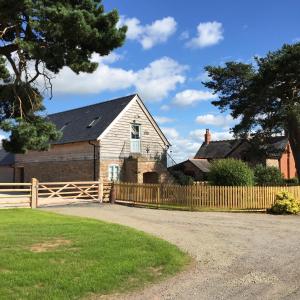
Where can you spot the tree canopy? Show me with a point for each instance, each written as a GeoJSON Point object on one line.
{"type": "Point", "coordinates": [264, 96]}
{"type": "Point", "coordinates": [37, 39]}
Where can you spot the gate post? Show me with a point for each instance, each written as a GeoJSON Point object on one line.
{"type": "Point", "coordinates": [34, 192]}
{"type": "Point", "coordinates": [100, 189]}
{"type": "Point", "coordinates": [112, 195]}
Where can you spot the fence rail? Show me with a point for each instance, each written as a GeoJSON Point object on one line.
{"type": "Point", "coordinates": [201, 196]}
{"type": "Point", "coordinates": [15, 195]}
{"type": "Point", "coordinates": [36, 193]}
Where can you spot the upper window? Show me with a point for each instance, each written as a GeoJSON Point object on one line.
{"type": "Point", "coordinates": [135, 131]}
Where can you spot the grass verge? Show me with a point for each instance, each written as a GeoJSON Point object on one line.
{"type": "Point", "coordinates": [49, 256]}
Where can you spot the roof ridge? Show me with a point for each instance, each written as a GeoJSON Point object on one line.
{"type": "Point", "coordinates": [99, 103]}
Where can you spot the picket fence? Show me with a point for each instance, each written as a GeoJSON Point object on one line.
{"type": "Point", "coordinates": [200, 196]}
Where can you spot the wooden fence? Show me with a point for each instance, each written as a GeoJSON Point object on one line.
{"type": "Point", "coordinates": [37, 194]}
{"type": "Point", "coordinates": [15, 195]}
{"type": "Point", "coordinates": [200, 196]}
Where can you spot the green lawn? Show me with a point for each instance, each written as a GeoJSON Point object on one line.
{"type": "Point", "coordinates": [49, 256]}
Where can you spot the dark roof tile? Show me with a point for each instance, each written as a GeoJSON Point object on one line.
{"type": "Point", "coordinates": [77, 124]}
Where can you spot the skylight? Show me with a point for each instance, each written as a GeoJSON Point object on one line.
{"type": "Point", "coordinates": [64, 126]}
{"type": "Point", "coordinates": [93, 122]}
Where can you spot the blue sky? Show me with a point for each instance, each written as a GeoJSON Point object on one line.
{"type": "Point", "coordinates": [168, 45]}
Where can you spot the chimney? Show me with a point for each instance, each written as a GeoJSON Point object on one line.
{"type": "Point", "coordinates": [207, 137]}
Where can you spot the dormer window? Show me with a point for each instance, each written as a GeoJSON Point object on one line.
{"type": "Point", "coordinates": [93, 122]}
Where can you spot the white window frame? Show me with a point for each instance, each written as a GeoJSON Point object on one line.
{"type": "Point", "coordinates": [140, 137]}
{"type": "Point", "coordinates": [111, 178]}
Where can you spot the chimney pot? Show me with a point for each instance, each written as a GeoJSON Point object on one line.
{"type": "Point", "coordinates": [207, 137]}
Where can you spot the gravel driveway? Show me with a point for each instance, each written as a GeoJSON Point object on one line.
{"type": "Point", "coordinates": [238, 256]}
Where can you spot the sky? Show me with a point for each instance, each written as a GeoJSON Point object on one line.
{"type": "Point", "coordinates": [168, 45]}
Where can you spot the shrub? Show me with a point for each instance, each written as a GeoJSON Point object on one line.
{"type": "Point", "coordinates": [285, 204]}
{"type": "Point", "coordinates": [292, 181]}
{"type": "Point", "coordinates": [182, 179]}
{"type": "Point", "coordinates": [267, 176]}
{"type": "Point", "coordinates": [230, 172]}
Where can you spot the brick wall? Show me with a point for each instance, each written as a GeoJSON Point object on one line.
{"type": "Point", "coordinates": [59, 171]}
{"type": "Point", "coordinates": [287, 163]}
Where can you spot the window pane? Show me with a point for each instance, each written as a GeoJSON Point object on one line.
{"type": "Point", "coordinates": [135, 131]}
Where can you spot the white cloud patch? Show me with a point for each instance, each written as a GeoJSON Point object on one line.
{"type": "Point", "coordinates": [163, 120]}
{"type": "Point", "coordinates": [165, 107]}
{"type": "Point", "coordinates": [215, 120]}
{"type": "Point", "coordinates": [159, 78]}
{"type": "Point", "coordinates": [153, 83]}
{"type": "Point", "coordinates": [190, 97]}
{"type": "Point", "coordinates": [184, 35]}
{"type": "Point", "coordinates": [152, 34]}
{"type": "Point", "coordinates": [170, 132]}
{"type": "Point", "coordinates": [182, 148]}
{"type": "Point", "coordinates": [198, 135]}
{"type": "Point", "coordinates": [208, 34]}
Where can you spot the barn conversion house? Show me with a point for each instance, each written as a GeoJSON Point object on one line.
{"type": "Point", "coordinates": [112, 140]}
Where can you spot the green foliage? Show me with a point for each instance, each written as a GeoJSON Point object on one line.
{"type": "Point", "coordinates": [33, 135]}
{"type": "Point", "coordinates": [230, 172]}
{"type": "Point", "coordinates": [267, 176]}
{"type": "Point", "coordinates": [264, 96]}
{"type": "Point", "coordinates": [292, 181]}
{"type": "Point", "coordinates": [37, 39]}
{"type": "Point", "coordinates": [99, 259]}
{"type": "Point", "coordinates": [182, 179]}
{"type": "Point", "coordinates": [285, 204]}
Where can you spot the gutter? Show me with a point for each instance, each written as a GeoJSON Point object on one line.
{"type": "Point", "coordinates": [95, 159]}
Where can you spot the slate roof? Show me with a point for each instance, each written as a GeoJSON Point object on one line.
{"type": "Point", "coordinates": [273, 148]}
{"type": "Point", "coordinates": [217, 149]}
{"type": "Point", "coordinates": [201, 164]}
{"type": "Point", "coordinates": [6, 158]}
{"type": "Point", "coordinates": [74, 123]}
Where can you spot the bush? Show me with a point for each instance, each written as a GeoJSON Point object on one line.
{"type": "Point", "coordinates": [230, 172]}
{"type": "Point", "coordinates": [292, 181]}
{"type": "Point", "coordinates": [182, 179]}
{"type": "Point", "coordinates": [267, 176]}
{"type": "Point", "coordinates": [285, 204]}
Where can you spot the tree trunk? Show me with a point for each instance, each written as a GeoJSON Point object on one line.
{"type": "Point", "coordinates": [294, 139]}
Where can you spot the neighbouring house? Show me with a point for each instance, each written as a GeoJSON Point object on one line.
{"type": "Point", "coordinates": [195, 168]}
{"type": "Point", "coordinates": [276, 152]}
{"type": "Point", "coordinates": [113, 140]}
{"type": "Point", "coordinates": [7, 161]}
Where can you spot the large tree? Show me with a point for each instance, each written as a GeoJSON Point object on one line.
{"type": "Point", "coordinates": [37, 39]}
{"type": "Point", "coordinates": [263, 96]}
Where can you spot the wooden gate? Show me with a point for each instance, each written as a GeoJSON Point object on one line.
{"type": "Point", "coordinates": [61, 193]}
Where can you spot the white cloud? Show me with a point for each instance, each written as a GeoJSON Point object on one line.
{"type": "Point", "coordinates": [153, 83]}
{"type": "Point", "coordinates": [163, 120]}
{"type": "Point", "coordinates": [216, 120]}
{"type": "Point", "coordinates": [165, 107]}
{"type": "Point", "coordinates": [170, 132]}
{"type": "Point", "coordinates": [208, 34]}
{"type": "Point", "coordinates": [149, 35]}
{"type": "Point", "coordinates": [159, 78]}
{"type": "Point", "coordinates": [198, 135]}
{"type": "Point", "coordinates": [190, 97]}
{"type": "Point", "coordinates": [184, 35]}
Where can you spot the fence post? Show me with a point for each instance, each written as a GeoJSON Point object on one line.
{"type": "Point", "coordinates": [100, 189]}
{"type": "Point", "coordinates": [158, 196]}
{"type": "Point", "coordinates": [34, 192]}
{"type": "Point", "coordinates": [112, 195]}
